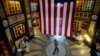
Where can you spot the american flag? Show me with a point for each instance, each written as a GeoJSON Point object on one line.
{"type": "Point", "coordinates": [56, 17]}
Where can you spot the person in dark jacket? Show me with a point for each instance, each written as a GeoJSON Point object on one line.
{"type": "Point", "coordinates": [56, 46]}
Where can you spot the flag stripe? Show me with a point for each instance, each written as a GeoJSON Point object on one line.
{"type": "Point", "coordinates": [64, 18]}
{"type": "Point", "coordinates": [41, 15]}
{"type": "Point", "coordinates": [70, 18]}
{"type": "Point", "coordinates": [61, 19]}
{"type": "Point", "coordinates": [46, 15]}
{"type": "Point", "coordinates": [58, 19]}
{"type": "Point", "coordinates": [49, 15]}
{"type": "Point", "coordinates": [55, 17]}
{"type": "Point", "coordinates": [67, 17]}
{"type": "Point", "coordinates": [52, 17]}
{"type": "Point", "coordinates": [43, 1]}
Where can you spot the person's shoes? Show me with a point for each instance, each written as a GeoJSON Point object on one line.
{"type": "Point", "coordinates": [53, 53]}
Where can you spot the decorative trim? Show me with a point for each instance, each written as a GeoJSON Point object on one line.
{"type": "Point", "coordinates": [94, 17]}
{"type": "Point", "coordinates": [5, 23]}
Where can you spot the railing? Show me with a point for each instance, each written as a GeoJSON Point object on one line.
{"type": "Point", "coordinates": [86, 15]}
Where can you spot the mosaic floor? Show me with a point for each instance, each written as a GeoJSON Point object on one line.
{"type": "Point", "coordinates": [43, 46]}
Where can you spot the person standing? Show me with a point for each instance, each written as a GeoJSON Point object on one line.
{"type": "Point", "coordinates": [56, 46]}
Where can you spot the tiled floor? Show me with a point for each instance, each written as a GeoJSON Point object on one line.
{"type": "Point", "coordinates": [43, 46]}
